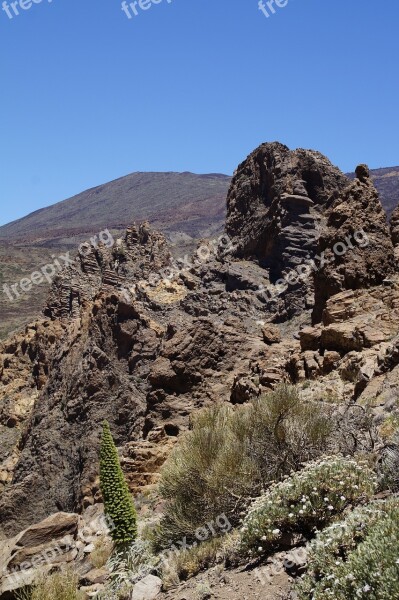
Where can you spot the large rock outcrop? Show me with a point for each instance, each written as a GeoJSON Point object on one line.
{"type": "Point", "coordinates": [288, 209]}
{"type": "Point", "coordinates": [356, 243]}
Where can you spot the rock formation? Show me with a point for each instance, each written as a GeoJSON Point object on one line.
{"type": "Point", "coordinates": [131, 335]}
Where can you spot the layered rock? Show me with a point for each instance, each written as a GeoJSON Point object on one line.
{"type": "Point", "coordinates": [356, 245]}
{"type": "Point", "coordinates": [313, 231]}
{"type": "Point", "coordinates": [275, 210]}
{"type": "Point", "coordinates": [48, 546]}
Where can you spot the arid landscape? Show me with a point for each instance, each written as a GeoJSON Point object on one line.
{"type": "Point", "coordinates": [199, 300]}
{"type": "Point", "coordinates": [294, 303]}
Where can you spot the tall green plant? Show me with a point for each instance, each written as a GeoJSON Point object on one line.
{"type": "Point", "coordinates": [118, 503]}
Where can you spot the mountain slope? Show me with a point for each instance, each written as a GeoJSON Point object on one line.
{"type": "Point", "coordinates": [171, 201]}
{"type": "Point", "coordinates": [120, 342]}
{"type": "Point", "coordinates": [184, 206]}
{"type": "Point", "coordinates": [295, 296]}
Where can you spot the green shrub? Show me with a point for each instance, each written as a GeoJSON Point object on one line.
{"type": "Point", "coordinates": [118, 503]}
{"type": "Point", "coordinates": [232, 453]}
{"type": "Point", "coordinates": [304, 502]}
{"type": "Point", "coordinates": [357, 558]}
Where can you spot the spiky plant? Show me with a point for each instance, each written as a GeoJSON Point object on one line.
{"type": "Point", "coordinates": [118, 503]}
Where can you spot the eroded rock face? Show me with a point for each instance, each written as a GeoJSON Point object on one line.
{"type": "Point", "coordinates": [313, 231]}
{"type": "Point", "coordinates": [356, 243]}
{"type": "Point", "coordinates": [276, 207]}
{"type": "Point", "coordinates": [131, 336]}
{"type": "Point", "coordinates": [394, 226]}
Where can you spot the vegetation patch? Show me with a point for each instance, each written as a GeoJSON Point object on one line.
{"type": "Point", "coordinates": [305, 502]}
{"type": "Point", "coordinates": [357, 558]}
{"type": "Point", "coordinates": [232, 454]}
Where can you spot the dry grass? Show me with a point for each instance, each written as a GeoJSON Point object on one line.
{"type": "Point", "coordinates": [103, 548]}
{"type": "Point", "coordinates": [188, 563]}
{"type": "Point", "coordinates": [58, 586]}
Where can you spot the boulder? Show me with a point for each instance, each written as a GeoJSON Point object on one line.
{"type": "Point", "coordinates": [56, 526]}
{"type": "Point", "coordinates": [147, 589]}
{"type": "Point", "coordinates": [94, 576]}
{"type": "Point", "coordinates": [271, 334]}
{"type": "Point", "coordinates": [310, 338]}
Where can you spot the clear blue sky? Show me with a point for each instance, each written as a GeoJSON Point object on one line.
{"type": "Point", "coordinates": [88, 95]}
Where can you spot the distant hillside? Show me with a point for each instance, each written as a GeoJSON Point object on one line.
{"type": "Point", "coordinates": [173, 202]}
{"type": "Point", "coordinates": [387, 183]}
{"type": "Point", "coordinates": [185, 203]}
{"type": "Point", "coordinates": [184, 206]}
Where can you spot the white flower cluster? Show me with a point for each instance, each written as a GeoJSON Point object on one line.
{"type": "Point", "coordinates": [356, 558]}
{"type": "Point", "coordinates": [305, 501]}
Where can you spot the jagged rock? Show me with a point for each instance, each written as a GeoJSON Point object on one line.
{"type": "Point", "coordinates": [55, 526]}
{"type": "Point", "coordinates": [312, 364]}
{"type": "Point", "coordinates": [395, 227]}
{"type": "Point", "coordinates": [362, 172]}
{"type": "Point", "coordinates": [310, 338]}
{"type": "Point", "coordinates": [330, 361]}
{"type": "Point", "coordinates": [355, 243]}
{"type": "Point", "coordinates": [49, 546]}
{"type": "Point", "coordinates": [274, 215]}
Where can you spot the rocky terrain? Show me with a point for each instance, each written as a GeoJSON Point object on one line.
{"type": "Point", "coordinates": [302, 287]}
{"type": "Point", "coordinates": [184, 206]}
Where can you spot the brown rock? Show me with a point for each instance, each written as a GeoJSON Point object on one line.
{"type": "Point", "coordinates": [271, 334]}
{"type": "Point", "coordinates": [94, 576]}
{"type": "Point", "coordinates": [356, 244]}
{"type": "Point", "coordinates": [117, 343]}
{"type": "Point", "coordinates": [55, 526]}
{"type": "Point", "coordinates": [330, 361]}
{"type": "Point", "coordinates": [310, 338]}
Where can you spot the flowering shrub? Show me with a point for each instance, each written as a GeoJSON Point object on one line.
{"type": "Point", "coordinates": [304, 502]}
{"type": "Point", "coordinates": [358, 558]}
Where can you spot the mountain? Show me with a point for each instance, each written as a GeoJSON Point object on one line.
{"type": "Point", "coordinates": [172, 202]}
{"type": "Point", "coordinates": [303, 288]}
{"type": "Point", "coordinates": [184, 206]}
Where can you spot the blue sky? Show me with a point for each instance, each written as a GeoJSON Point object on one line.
{"type": "Point", "coordinates": [88, 95]}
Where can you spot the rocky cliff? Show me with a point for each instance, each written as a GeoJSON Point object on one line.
{"type": "Point", "coordinates": [302, 287]}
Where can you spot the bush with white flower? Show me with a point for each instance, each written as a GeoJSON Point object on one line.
{"type": "Point", "coordinates": [304, 502]}
{"type": "Point", "coordinates": [357, 558]}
